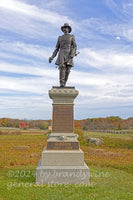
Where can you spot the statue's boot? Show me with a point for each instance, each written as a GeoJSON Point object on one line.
{"type": "Point", "coordinates": [67, 73]}
{"type": "Point", "coordinates": [62, 76]}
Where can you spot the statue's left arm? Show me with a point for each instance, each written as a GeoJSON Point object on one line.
{"type": "Point", "coordinates": [73, 47]}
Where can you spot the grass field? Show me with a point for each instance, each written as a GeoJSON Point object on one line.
{"type": "Point", "coordinates": [111, 168]}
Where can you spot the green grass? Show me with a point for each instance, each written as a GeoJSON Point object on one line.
{"type": "Point", "coordinates": [105, 184]}
{"type": "Point", "coordinates": [98, 134]}
{"type": "Point", "coordinates": [111, 169]}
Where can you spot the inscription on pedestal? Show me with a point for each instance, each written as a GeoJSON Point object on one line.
{"type": "Point", "coordinates": [62, 119]}
{"type": "Point", "coordinates": [62, 145]}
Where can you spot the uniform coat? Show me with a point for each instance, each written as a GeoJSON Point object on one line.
{"type": "Point", "coordinates": [66, 46]}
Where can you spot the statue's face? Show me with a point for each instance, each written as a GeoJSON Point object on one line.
{"type": "Point", "coordinates": [66, 29]}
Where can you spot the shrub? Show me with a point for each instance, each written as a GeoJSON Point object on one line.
{"type": "Point", "coordinates": [80, 133]}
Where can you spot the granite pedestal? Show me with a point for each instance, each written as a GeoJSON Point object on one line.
{"type": "Point", "coordinates": [62, 160]}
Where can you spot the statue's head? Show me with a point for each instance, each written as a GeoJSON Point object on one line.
{"type": "Point", "coordinates": [66, 25]}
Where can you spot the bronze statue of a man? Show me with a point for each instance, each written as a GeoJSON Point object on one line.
{"type": "Point", "coordinates": [66, 46]}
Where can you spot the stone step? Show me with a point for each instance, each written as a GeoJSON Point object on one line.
{"type": "Point", "coordinates": [62, 174]}
{"type": "Point", "coordinates": [62, 158]}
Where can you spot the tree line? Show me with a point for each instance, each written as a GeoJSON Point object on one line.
{"type": "Point", "coordinates": [108, 123]}
{"type": "Point", "coordinates": [15, 123]}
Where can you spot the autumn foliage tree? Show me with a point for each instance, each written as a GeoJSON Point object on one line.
{"type": "Point", "coordinates": [4, 122]}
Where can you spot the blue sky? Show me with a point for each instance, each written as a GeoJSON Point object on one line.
{"type": "Point", "coordinates": [103, 71]}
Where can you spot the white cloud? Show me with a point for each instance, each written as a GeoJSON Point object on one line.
{"type": "Point", "coordinates": [31, 107]}
{"type": "Point", "coordinates": [33, 11]}
{"type": "Point", "coordinates": [128, 9]}
{"type": "Point", "coordinates": [128, 32]}
{"type": "Point", "coordinates": [26, 85]}
{"type": "Point", "coordinates": [106, 60]}
{"type": "Point", "coordinates": [20, 48]}
{"type": "Point", "coordinates": [97, 91]}
{"type": "Point", "coordinates": [90, 84]}
{"type": "Point", "coordinates": [26, 46]}
{"type": "Point", "coordinates": [21, 69]}
{"type": "Point", "coordinates": [27, 12]}
{"type": "Point", "coordinates": [30, 21]}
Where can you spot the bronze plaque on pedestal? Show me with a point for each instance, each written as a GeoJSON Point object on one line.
{"type": "Point", "coordinates": [61, 145]}
{"type": "Point", "coordinates": [62, 119]}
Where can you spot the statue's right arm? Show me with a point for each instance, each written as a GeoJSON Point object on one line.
{"type": "Point", "coordinates": [55, 51]}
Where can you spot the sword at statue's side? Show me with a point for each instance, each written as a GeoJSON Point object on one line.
{"type": "Point", "coordinates": [76, 53]}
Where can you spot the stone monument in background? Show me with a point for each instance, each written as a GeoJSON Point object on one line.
{"type": "Point", "coordinates": [62, 160]}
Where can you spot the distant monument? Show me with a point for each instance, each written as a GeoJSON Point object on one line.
{"type": "Point", "coordinates": [62, 160]}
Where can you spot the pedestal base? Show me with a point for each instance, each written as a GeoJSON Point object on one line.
{"type": "Point", "coordinates": [62, 174]}
{"type": "Point", "coordinates": [62, 161]}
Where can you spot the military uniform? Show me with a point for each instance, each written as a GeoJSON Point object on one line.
{"type": "Point", "coordinates": [66, 49]}
{"type": "Point", "coordinates": [66, 46]}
